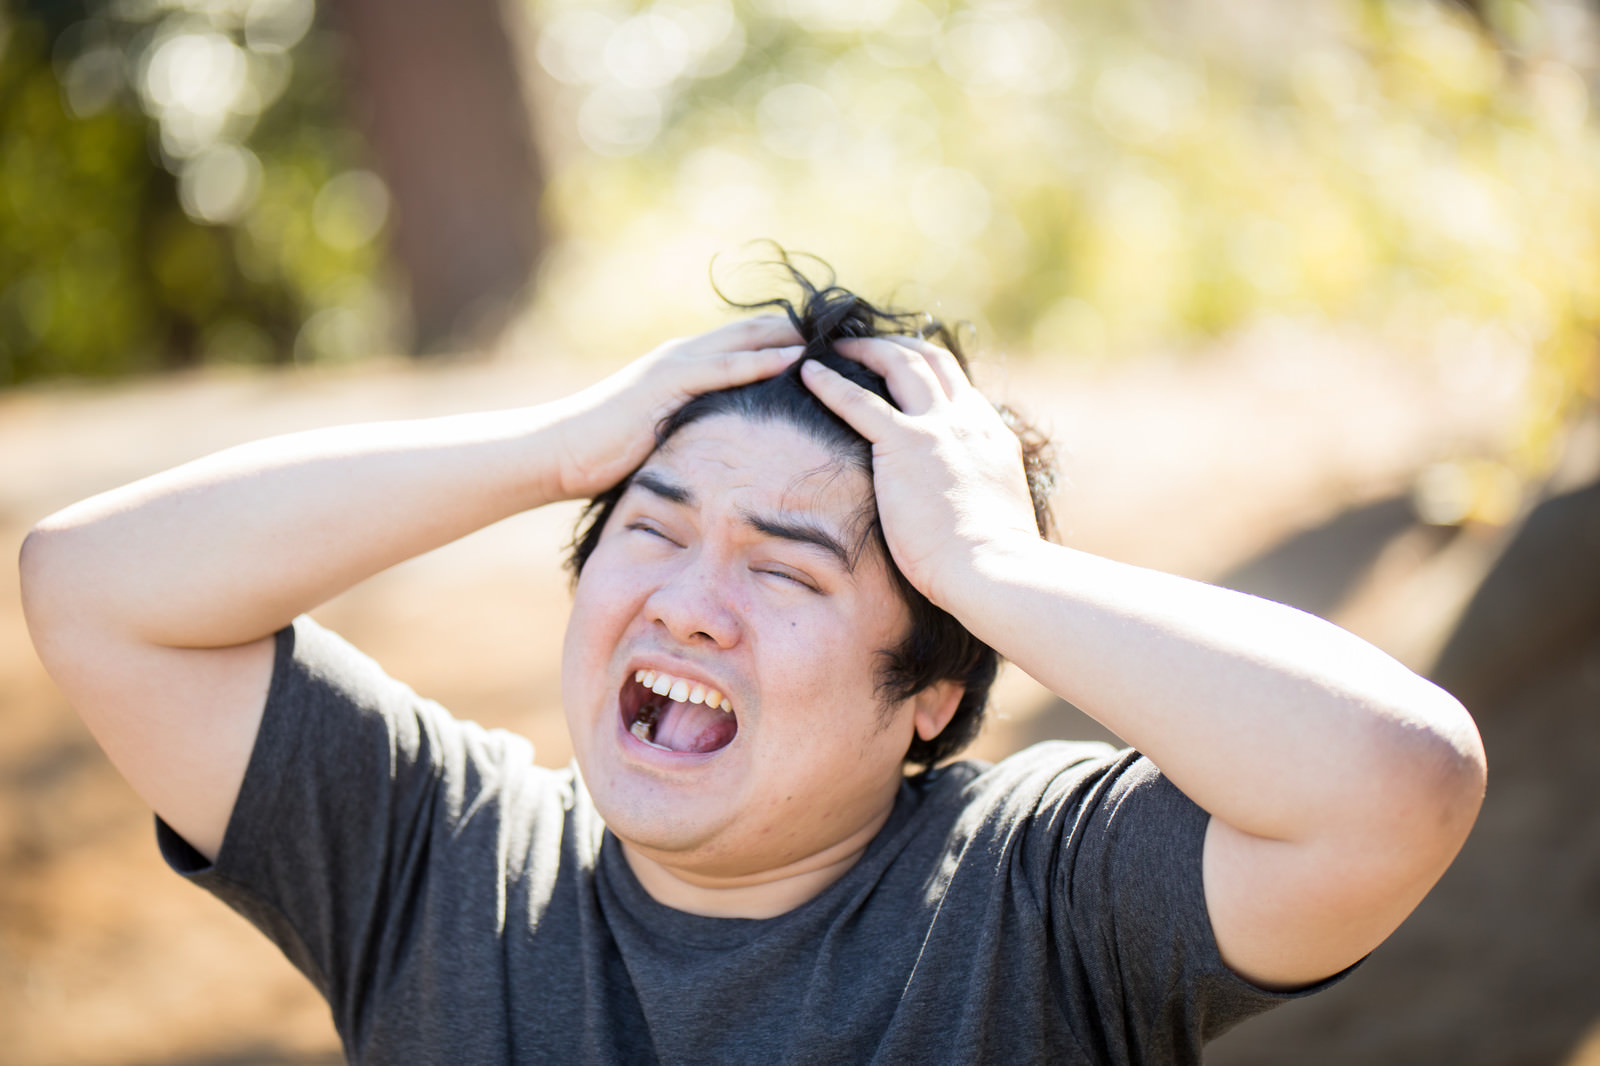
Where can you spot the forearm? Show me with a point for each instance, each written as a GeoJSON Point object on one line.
{"type": "Point", "coordinates": [1276, 722]}
{"type": "Point", "coordinates": [229, 548]}
{"type": "Point", "coordinates": [1339, 784]}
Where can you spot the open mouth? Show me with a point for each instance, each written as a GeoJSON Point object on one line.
{"type": "Point", "coordinates": [676, 714]}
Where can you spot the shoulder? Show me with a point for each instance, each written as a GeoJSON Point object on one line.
{"type": "Point", "coordinates": [1037, 779]}
{"type": "Point", "coordinates": [1067, 814]}
{"type": "Point", "coordinates": [1046, 801]}
{"type": "Point", "coordinates": [359, 754]}
{"type": "Point", "coordinates": [326, 691]}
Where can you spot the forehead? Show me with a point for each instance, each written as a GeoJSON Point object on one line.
{"type": "Point", "coordinates": [762, 456]}
{"type": "Point", "coordinates": [765, 461]}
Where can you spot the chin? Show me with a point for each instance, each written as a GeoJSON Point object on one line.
{"type": "Point", "coordinates": [685, 835]}
{"type": "Point", "coordinates": [653, 810]}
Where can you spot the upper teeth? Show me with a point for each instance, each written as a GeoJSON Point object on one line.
{"type": "Point", "coordinates": [682, 689]}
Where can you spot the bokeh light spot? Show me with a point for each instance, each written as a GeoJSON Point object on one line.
{"type": "Point", "coordinates": [797, 120]}
{"type": "Point", "coordinates": [350, 209]}
{"type": "Point", "coordinates": [614, 120]}
{"type": "Point", "coordinates": [573, 42]}
{"type": "Point", "coordinates": [275, 26]}
{"type": "Point", "coordinates": [647, 52]}
{"type": "Point", "coordinates": [992, 52]}
{"type": "Point", "coordinates": [949, 205]}
{"type": "Point", "coordinates": [220, 184]}
{"type": "Point", "coordinates": [93, 80]}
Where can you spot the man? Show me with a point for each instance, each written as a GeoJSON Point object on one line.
{"type": "Point", "coordinates": [809, 536]}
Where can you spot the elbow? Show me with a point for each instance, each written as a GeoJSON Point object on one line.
{"type": "Point", "coordinates": [1422, 778]}
{"type": "Point", "coordinates": [36, 565]}
{"type": "Point", "coordinates": [1473, 761]}
{"type": "Point", "coordinates": [1416, 784]}
{"type": "Point", "coordinates": [60, 602]}
{"type": "Point", "coordinates": [1449, 771]}
{"type": "Point", "coordinates": [45, 578]}
{"type": "Point", "coordinates": [33, 572]}
{"type": "Point", "coordinates": [1470, 770]}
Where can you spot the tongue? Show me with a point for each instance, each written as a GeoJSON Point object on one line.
{"type": "Point", "coordinates": [693, 727]}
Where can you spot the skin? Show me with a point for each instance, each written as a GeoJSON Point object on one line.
{"type": "Point", "coordinates": [1339, 784]}
{"type": "Point", "coordinates": [153, 605]}
{"type": "Point", "coordinates": [699, 588]}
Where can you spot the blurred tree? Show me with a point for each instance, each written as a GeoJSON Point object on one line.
{"type": "Point", "coordinates": [182, 181]}
{"type": "Point", "coordinates": [440, 98]}
{"type": "Point", "coordinates": [1112, 176]}
{"type": "Point", "coordinates": [1103, 177]}
{"type": "Point", "coordinates": [178, 183]}
{"type": "Point", "coordinates": [100, 270]}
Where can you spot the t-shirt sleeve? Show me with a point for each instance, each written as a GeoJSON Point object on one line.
{"type": "Point", "coordinates": [1123, 846]}
{"type": "Point", "coordinates": [353, 786]}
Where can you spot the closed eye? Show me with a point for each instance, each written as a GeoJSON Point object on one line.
{"type": "Point", "coordinates": [641, 526]}
{"type": "Point", "coordinates": [793, 577]}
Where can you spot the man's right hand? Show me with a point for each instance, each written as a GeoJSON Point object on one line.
{"type": "Point", "coordinates": [608, 429]}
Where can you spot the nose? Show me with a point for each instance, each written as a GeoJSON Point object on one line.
{"type": "Point", "coordinates": [693, 605]}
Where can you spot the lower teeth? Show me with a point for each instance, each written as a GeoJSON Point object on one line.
{"type": "Point", "coordinates": [642, 730]}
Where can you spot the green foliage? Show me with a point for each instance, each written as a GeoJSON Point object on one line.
{"type": "Point", "coordinates": [1092, 178]}
{"type": "Point", "coordinates": [177, 182]}
{"type": "Point", "coordinates": [177, 185]}
{"type": "Point", "coordinates": [70, 196]}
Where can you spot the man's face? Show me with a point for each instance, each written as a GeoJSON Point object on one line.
{"type": "Point", "coordinates": [729, 564]}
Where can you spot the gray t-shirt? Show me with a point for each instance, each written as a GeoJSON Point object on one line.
{"type": "Point", "coordinates": [456, 903]}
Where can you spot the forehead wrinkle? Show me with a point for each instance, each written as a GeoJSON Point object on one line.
{"type": "Point", "coordinates": [863, 520]}
{"type": "Point", "coordinates": [848, 545]}
{"type": "Point", "coordinates": [794, 528]}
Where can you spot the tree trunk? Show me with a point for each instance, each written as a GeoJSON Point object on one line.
{"type": "Point", "coordinates": [437, 90]}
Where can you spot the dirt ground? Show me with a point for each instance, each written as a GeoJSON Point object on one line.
{"type": "Point", "coordinates": [1197, 465]}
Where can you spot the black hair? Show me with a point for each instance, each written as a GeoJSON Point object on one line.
{"type": "Point", "coordinates": [937, 647]}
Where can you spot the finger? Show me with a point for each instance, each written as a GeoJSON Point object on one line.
{"type": "Point", "coordinates": [912, 382]}
{"type": "Point", "coordinates": [867, 413]}
{"type": "Point", "coordinates": [759, 331]}
{"type": "Point", "coordinates": [945, 366]}
{"type": "Point", "coordinates": [741, 367]}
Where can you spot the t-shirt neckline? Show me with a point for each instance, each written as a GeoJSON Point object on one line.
{"type": "Point", "coordinates": [700, 930]}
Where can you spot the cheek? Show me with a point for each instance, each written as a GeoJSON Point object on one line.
{"type": "Point", "coordinates": [607, 588]}
{"type": "Point", "coordinates": [600, 610]}
{"type": "Point", "coordinates": [827, 668]}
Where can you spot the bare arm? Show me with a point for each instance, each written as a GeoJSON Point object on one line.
{"type": "Point", "coordinates": [1339, 783]}
{"type": "Point", "coordinates": [153, 605]}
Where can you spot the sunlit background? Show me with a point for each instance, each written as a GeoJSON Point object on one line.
{"type": "Point", "coordinates": [200, 181]}
{"type": "Point", "coordinates": [195, 193]}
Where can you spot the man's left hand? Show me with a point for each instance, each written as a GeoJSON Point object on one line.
{"type": "Point", "coordinates": [947, 471]}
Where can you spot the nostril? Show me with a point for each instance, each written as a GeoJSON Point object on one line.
{"type": "Point", "coordinates": [694, 611]}
{"type": "Point", "coordinates": [693, 636]}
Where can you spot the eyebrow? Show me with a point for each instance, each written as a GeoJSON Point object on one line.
{"type": "Point", "coordinates": [660, 486]}
{"type": "Point", "coordinates": [802, 533]}
{"type": "Point", "coordinates": [791, 529]}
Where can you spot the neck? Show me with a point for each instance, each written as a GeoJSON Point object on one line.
{"type": "Point", "coordinates": [766, 893]}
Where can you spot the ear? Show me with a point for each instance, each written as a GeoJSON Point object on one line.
{"type": "Point", "coordinates": [934, 706]}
